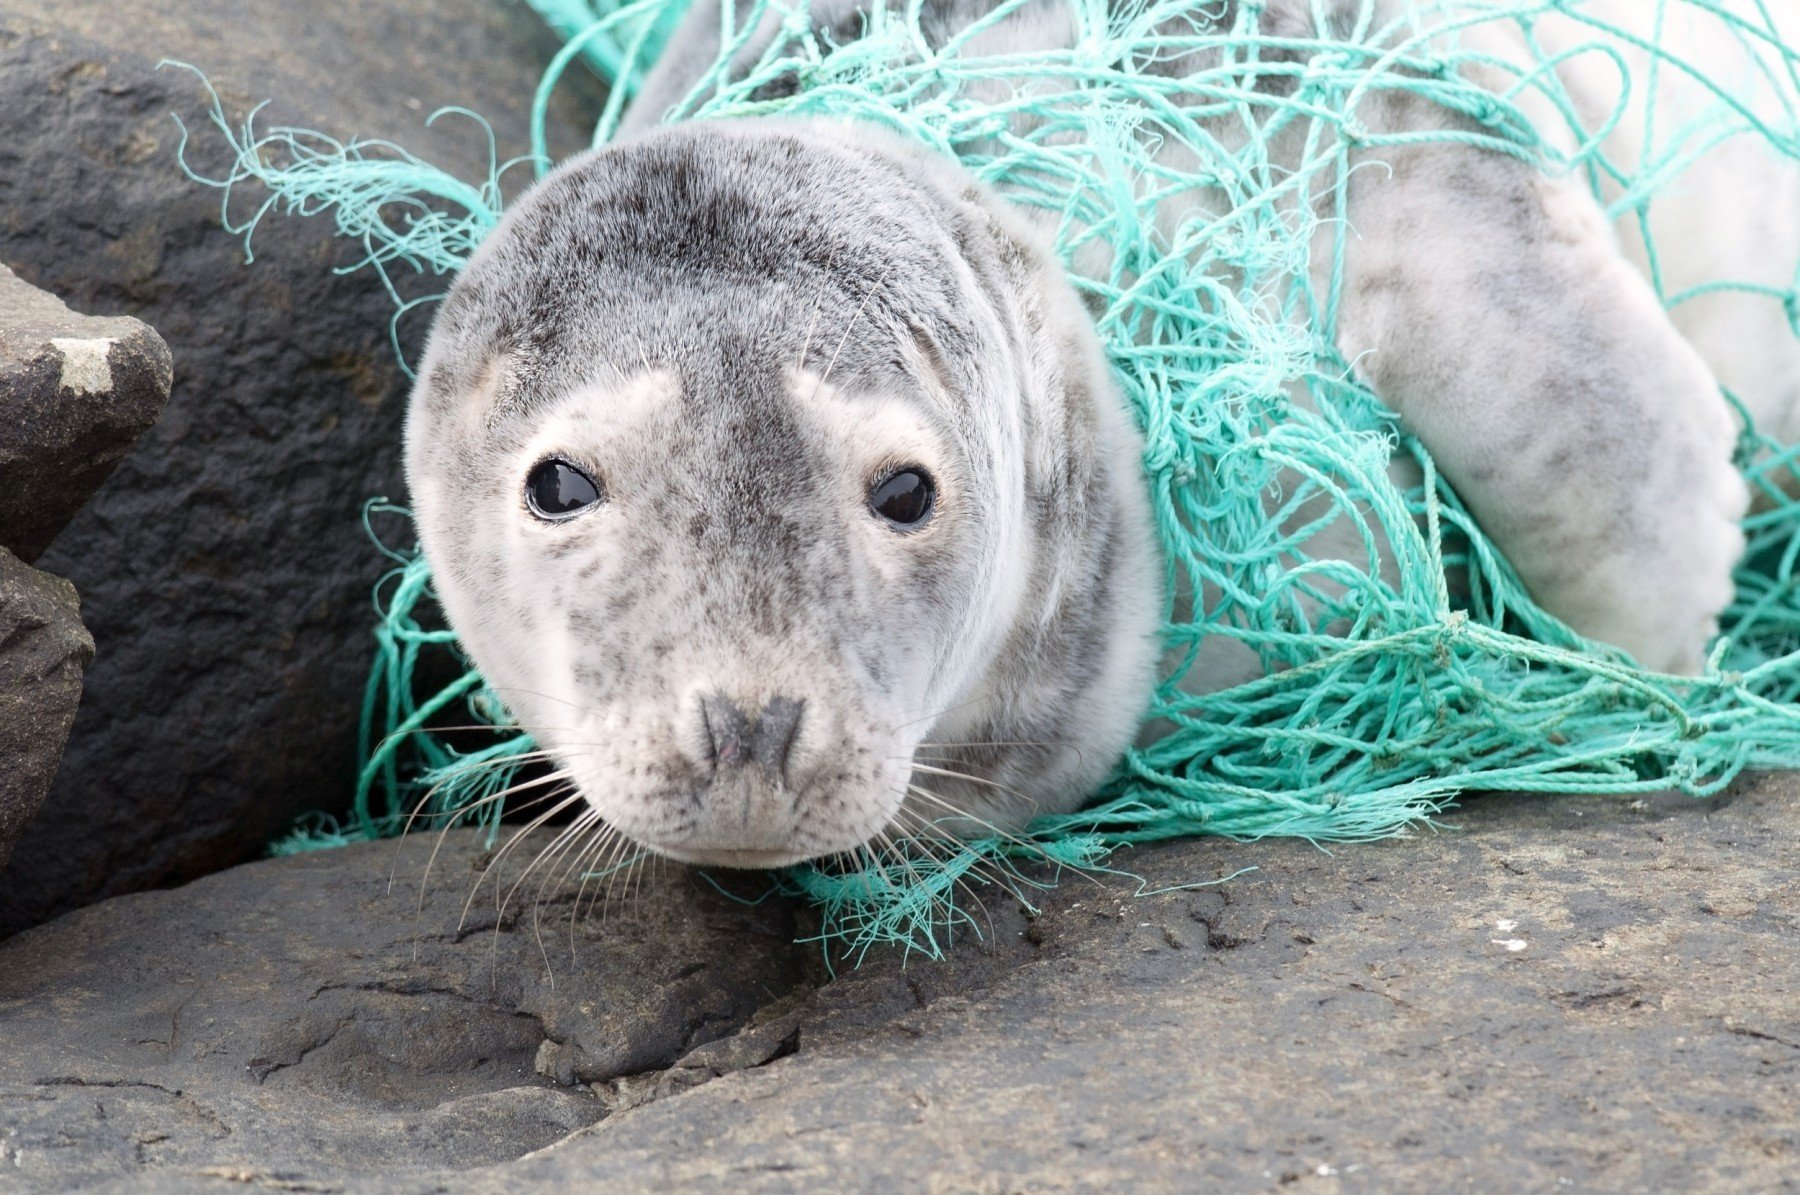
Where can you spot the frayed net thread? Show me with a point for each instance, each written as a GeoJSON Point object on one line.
{"type": "Point", "coordinates": [1352, 734]}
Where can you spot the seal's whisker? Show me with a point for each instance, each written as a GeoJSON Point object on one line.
{"type": "Point", "coordinates": [572, 837]}
{"type": "Point", "coordinates": [466, 807]}
{"type": "Point", "coordinates": [851, 327]}
{"type": "Point", "coordinates": [1066, 744]}
{"type": "Point", "coordinates": [926, 837]}
{"type": "Point", "coordinates": [1025, 845]}
{"type": "Point", "coordinates": [592, 838]}
{"type": "Point", "coordinates": [923, 837]}
{"type": "Point", "coordinates": [619, 875]}
{"type": "Point", "coordinates": [640, 876]}
{"type": "Point", "coordinates": [818, 310]}
{"type": "Point", "coordinates": [942, 759]}
{"type": "Point", "coordinates": [548, 851]}
{"type": "Point", "coordinates": [568, 844]}
{"type": "Point", "coordinates": [502, 903]}
{"type": "Point", "coordinates": [628, 880]}
{"type": "Point", "coordinates": [431, 860]}
{"type": "Point", "coordinates": [581, 864]}
{"type": "Point", "coordinates": [430, 865]}
{"type": "Point", "coordinates": [957, 812]}
{"type": "Point", "coordinates": [955, 775]}
{"type": "Point", "coordinates": [450, 822]}
{"type": "Point", "coordinates": [597, 842]}
{"type": "Point", "coordinates": [455, 727]}
{"type": "Point", "coordinates": [987, 870]}
{"type": "Point", "coordinates": [926, 841]}
{"type": "Point", "coordinates": [608, 869]}
{"type": "Point", "coordinates": [537, 926]}
{"type": "Point", "coordinates": [932, 717]}
{"type": "Point", "coordinates": [568, 797]}
{"type": "Point", "coordinates": [602, 836]}
{"type": "Point", "coordinates": [505, 689]}
{"type": "Point", "coordinates": [434, 790]}
{"type": "Point", "coordinates": [892, 849]}
{"type": "Point", "coordinates": [651, 873]}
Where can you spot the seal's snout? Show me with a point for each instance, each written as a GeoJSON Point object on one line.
{"type": "Point", "coordinates": [765, 738]}
{"type": "Point", "coordinates": [754, 781]}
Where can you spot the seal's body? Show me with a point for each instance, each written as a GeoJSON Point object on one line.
{"type": "Point", "coordinates": [772, 472]}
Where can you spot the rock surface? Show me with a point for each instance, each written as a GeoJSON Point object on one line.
{"type": "Point", "coordinates": [299, 1017]}
{"type": "Point", "coordinates": [76, 391]}
{"type": "Point", "coordinates": [223, 567]}
{"type": "Point", "coordinates": [1567, 993]}
{"type": "Point", "coordinates": [43, 649]}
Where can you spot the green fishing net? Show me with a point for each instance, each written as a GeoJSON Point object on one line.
{"type": "Point", "coordinates": [1389, 687]}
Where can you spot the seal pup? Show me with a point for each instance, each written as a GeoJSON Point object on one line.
{"type": "Point", "coordinates": [773, 474]}
{"type": "Point", "coordinates": [760, 457]}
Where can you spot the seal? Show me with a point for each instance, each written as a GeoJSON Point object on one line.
{"type": "Point", "coordinates": [772, 472]}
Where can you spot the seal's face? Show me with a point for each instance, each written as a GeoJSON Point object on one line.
{"type": "Point", "coordinates": [739, 490]}
{"type": "Point", "coordinates": [721, 596]}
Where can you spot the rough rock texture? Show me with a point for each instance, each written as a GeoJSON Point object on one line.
{"type": "Point", "coordinates": [223, 567]}
{"type": "Point", "coordinates": [1568, 993]}
{"type": "Point", "coordinates": [43, 648]}
{"type": "Point", "coordinates": [298, 1017]}
{"type": "Point", "coordinates": [76, 391]}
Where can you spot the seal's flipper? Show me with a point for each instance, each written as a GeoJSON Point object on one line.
{"type": "Point", "coordinates": [1489, 305]}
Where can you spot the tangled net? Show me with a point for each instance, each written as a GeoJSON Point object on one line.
{"type": "Point", "coordinates": [1386, 691]}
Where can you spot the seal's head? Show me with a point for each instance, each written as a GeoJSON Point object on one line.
{"type": "Point", "coordinates": [771, 473]}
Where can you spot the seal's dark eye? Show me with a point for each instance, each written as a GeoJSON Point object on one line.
{"type": "Point", "coordinates": [558, 490]}
{"type": "Point", "coordinates": [903, 498]}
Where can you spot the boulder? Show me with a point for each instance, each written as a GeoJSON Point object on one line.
{"type": "Point", "coordinates": [1573, 993]}
{"type": "Point", "coordinates": [43, 649]}
{"type": "Point", "coordinates": [223, 566]}
{"type": "Point", "coordinates": [76, 391]}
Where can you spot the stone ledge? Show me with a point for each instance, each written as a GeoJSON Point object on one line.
{"type": "Point", "coordinates": [1553, 992]}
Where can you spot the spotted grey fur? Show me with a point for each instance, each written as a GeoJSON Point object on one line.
{"type": "Point", "coordinates": [736, 327]}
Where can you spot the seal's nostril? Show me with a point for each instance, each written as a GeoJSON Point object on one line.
{"type": "Point", "coordinates": [728, 733]}
{"type": "Point", "coordinates": [733, 739]}
{"type": "Point", "coordinates": [773, 739]}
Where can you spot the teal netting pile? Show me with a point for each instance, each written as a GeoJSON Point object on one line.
{"type": "Point", "coordinates": [1383, 699]}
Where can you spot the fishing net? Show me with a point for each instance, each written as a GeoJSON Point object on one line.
{"type": "Point", "coordinates": [1393, 678]}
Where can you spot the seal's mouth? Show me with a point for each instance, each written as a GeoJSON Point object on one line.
{"type": "Point", "coordinates": [743, 860]}
{"type": "Point", "coordinates": [733, 814]}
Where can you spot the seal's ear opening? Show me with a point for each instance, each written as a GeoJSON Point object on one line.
{"type": "Point", "coordinates": [453, 388]}
{"type": "Point", "coordinates": [500, 384]}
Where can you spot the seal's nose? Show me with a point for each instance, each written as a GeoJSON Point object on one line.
{"type": "Point", "coordinates": [737, 739]}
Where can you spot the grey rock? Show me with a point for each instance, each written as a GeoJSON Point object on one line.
{"type": "Point", "coordinates": [1551, 993]}
{"type": "Point", "coordinates": [300, 1016]}
{"type": "Point", "coordinates": [76, 391]}
{"type": "Point", "coordinates": [223, 566]}
{"type": "Point", "coordinates": [43, 649]}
